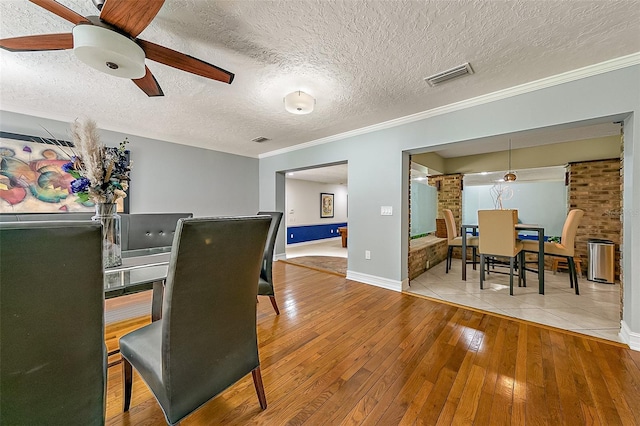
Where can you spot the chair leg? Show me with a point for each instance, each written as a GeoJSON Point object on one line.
{"type": "Point", "coordinates": [474, 254]}
{"type": "Point", "coordinates": [572, 272]}
{"type": "Point", "coordinates": [511, 261]}
{"type": "Point", "coordinates": [127, 382]}
{"type": "Point", "coordinates": [523, 262]}
{"type": "Point", "coordinates": [257, 381]}
{"type": "Point", "coordinates": [447, 265]}
{"type": "Point", "coordinates": [274, 304]}
{"type": "Point", "coordinates": [482, 259]}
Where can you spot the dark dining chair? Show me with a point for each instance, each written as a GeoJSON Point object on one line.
{"type": "Point", "coordinates": [206, 340]}
{"type": "Point", "coordinates": [52, 352]}
{"type": "Point", "coordinates": [565, 248]}
{"type": "Point", "coordinates": [265, 282]}
{"type": "Point", "coordinates": [498, 238]}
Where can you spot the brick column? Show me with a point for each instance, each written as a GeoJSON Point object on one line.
{"type": "Point", "coordinates": [595, 187]}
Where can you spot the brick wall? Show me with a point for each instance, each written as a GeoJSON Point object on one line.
{"type": "Point", "coordinates": [595, 187]}
{"type": "Point", "coordinates": [449, 195]}
{"type": "Point", "coordinates": [424, 256]}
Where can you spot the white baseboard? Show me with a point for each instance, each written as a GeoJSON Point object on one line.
{"type": "Point", "coordinates": [405, 284]}
{"type": "Point", "coordinates": [279, 256]}
{"type": "Point", "coordinates": [376, 281]}
{"type": "Point", "coordinates": [629, 337]}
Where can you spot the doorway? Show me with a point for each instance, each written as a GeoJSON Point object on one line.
{"type": "Point", "coordinates": [597, 310]}
{"type": "Point", "coordinates": [316, 218]}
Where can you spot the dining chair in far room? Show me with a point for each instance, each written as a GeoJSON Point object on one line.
{"type": "Point", "coordinates": [453, 240]}
{"type": "Point", "coordinates": [565, 248]}
{"type": "Point", "coordinates": [498, 238]}
{"type": "Point", "coordinates": [206, 339]}
{"type": "Point", "coordinates": [52, 352]}
{"type": "Point", "coordinates": [265, 282]}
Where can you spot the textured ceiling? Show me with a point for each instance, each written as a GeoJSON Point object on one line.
{"type": "Point", "coordinates": [364, 62]}
{"type": "Point", "coordinates": [337, 174]}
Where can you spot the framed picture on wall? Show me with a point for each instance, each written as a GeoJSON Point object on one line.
{"type": "Point", "coordinates": [32, 179]}
{"type": "Point", "coordinates": [326, 205]}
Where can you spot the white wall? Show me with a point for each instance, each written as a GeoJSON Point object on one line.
{"type": "Point", "coordinates": [303, 203]}
{"type": "Point", "coordinates": [167, 177]}
{"type": "Point", "coordinates": [377, 176]}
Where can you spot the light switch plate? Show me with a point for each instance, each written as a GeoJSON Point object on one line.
{"type": "Point", "coordinates": [386, 211]}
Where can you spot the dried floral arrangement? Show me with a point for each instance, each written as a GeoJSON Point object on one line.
{"type": "Point", "coordinates": [101, 173]}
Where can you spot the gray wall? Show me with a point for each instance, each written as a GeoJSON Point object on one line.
{"type": "Point", "coordinates": [377, 176]}
{"type": "Point", "coordinates": [167, 177]}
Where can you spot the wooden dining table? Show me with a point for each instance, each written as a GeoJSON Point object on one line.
{"type": "Point", "coordinates": [519, 227]}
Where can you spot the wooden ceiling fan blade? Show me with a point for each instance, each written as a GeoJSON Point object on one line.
{"type": "Point", "coordinates": [61, 10]}
{"type": "Point", "coordinates": [149, 84]}
{"type": "Point", "coordinates": [187, 63]}
{"type": "Point", "coordinates": [130, 16]}
{"type": "Point", "coordinates": [38, 42]}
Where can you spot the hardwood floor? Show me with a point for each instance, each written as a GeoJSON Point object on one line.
{"type": "Point", "coordinates": [345, 353]}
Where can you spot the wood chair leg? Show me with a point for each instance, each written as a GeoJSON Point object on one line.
{"type": "Point", "coordinates": [578, 267]}
{"type": "Point", "coordinates": [127, 382]}
{"type": "Point", "coordinates": [274, 304]}
{"type": "Point", "coordinates": [257, 381]}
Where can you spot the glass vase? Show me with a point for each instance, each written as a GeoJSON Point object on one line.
{"type": "Point", "coordinates": [107, 214]}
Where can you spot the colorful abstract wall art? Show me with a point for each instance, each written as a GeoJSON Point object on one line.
{"type": "Point", "coordinates": [32, 180]}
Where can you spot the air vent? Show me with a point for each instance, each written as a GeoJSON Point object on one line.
{"type": "Point", "coordinates": [260, 139]}
{"type": "Point", "coordinates": [450, 74]}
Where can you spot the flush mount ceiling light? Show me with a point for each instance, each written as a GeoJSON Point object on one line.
{"type": "Point", "coordinates": [510, 176]}
{"type": "Point", "coordinates": [299, 102]}
{"type": "Point", "coordinates": [108, 51]}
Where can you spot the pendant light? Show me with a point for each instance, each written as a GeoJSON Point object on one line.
{"type": "Point", "coordinates": [510, 176]}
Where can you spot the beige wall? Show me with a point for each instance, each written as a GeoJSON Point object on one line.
{"type": "Point", "coordinates": [525, 158]}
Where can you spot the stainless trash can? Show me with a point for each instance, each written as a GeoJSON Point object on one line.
{"type": "Point", "coordinates": [601, 261]}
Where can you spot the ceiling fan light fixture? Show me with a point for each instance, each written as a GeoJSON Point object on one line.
{"type": "Point", "coordinates": [108, 51]}
{"type": "Point", "coordinates": [299, 102]}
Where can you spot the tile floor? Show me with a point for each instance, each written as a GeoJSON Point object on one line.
{"type": "Point", "coordinates": [329, 247]}
{"type": "Point", "coordinates": [596, 311]}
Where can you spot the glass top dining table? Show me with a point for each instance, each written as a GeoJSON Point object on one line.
{"type": "Point", "coordinates": [520, 227]}
{"type": "Point", "coordinates": [143, 269]}
{"type": "Point", "coordinates": [139, 270]}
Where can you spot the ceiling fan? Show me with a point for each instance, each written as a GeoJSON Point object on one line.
{"type": "Point", "coordinates": [109, 42]}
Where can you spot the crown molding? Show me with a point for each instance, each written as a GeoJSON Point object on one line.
{"type": "Point", "coordinates": [566, 77]}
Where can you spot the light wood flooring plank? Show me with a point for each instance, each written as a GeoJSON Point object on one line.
{"type": "Point", "coordinates": [346, 353]}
